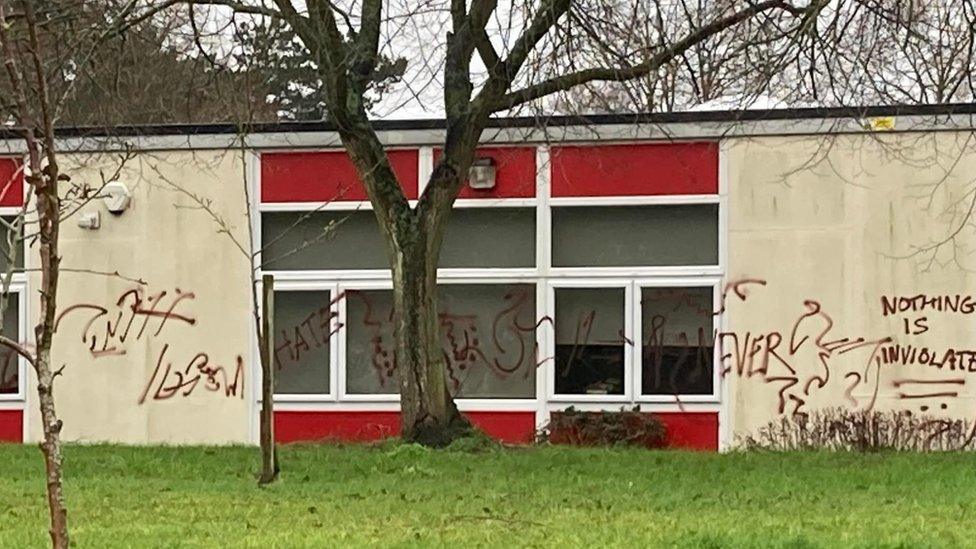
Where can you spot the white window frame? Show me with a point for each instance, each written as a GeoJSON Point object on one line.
{"type": "Point", "coordinates": [638, 271]}
{"type": "Point", "coordinates": [311, 286]}
{"type": "Point", "coordinates": [18, 285]}
{"type": "Point", "coordinates": [606, 283]}
{"type": "Point", "coordinates": [668, 282]}
{"type": "Point", "coordinates": [343, 333]}
{"type": "Point", "coordinates": [543, 275]}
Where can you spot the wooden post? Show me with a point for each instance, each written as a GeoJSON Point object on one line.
{"type": "Point", "coordinates": [269, 454]}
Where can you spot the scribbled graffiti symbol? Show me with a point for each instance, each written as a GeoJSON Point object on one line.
{"type": "Point", "coordinates": [169, 382]}
{"type": "Point", "coordinates": [106, 331]}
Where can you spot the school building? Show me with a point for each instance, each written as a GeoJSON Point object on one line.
{"type": "Point", "coordinates": [719, 269]}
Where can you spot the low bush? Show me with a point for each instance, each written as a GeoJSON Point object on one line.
{"type": "Point", "coordinates": [607, 428]}
{"type": "Point", "coordinates": [863, 431]}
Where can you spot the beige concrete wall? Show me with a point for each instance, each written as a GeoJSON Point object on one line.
{"type": "Point", "coordinates": [155, 362]}
{"type": "Point", "coordinates": [820, 230]}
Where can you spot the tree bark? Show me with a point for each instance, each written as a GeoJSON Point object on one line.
{"type": "Point", "coordinates": [48, 212]}
{"type": "Point", "coordinates": [429, 415]}
{"type": "Point", "coordinates": [269, 454]}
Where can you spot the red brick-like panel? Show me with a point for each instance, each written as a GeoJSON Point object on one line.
{"type": "Point", "coordinates": [691, 430]}
{"type": "Point", "coordinates": [510, 427]}
{"type": "Point", "coordinates": [327, 176]}
{"type": "Point", "coordinates": [11, 426]}
{"type": "Point", "coordinates": [11, 182]}
{"type": "Point", "coordinates": [515, 173]}
{"type": "Point", "coordinates": [635, 170]}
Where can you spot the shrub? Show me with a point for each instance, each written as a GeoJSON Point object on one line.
{"type": "Point", "coordinates": [863, 431]}
{"type": "Point", "coordinates": [608, 428]}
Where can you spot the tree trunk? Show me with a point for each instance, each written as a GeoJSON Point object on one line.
{"type": "Point", "coordinates": [269, 454]}
{"type": "Point", "coordinates": [429, 415]}
{"type": "Point", "coordinates": [51, 447]}
{"type": "Point", "coordinates": [48, 214]}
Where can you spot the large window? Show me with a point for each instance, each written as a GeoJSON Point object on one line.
{"type": "Point", "coordinates": [303, 323]}
{"type": "Point", "coordinates": [677, 335]}
{"type": "Point", "coordinates": [590, 277]}
{"type": "Point", "coordinates": [488, 338]}
{"type": "Point", "coordinates": [597, 356]}
{"type": "Point", "coordinates": [591, 341]}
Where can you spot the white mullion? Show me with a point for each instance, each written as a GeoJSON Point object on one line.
{"type": "Point", "coordinates": [544, 352]}
{"type": "Point", "coordinates": [630, 336]}
{"type": "Point", "coordinates": [337, 307]}
{"type": "Point", "coordinates": [543, 218]}
{"type": "Point", "coordinates": [425, 167]}
{"type": "Point", "coordinates": [723, 389]}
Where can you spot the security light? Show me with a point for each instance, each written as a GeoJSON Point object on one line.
{"type": "Point", "coordinates": [482, 174]}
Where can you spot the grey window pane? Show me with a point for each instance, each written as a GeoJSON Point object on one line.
{"type": "Point", "coordinates": [475, 237]}
{"type": "Point", "coordinates": [590, 341]}
{"type": "Point", "coordinates": [370, 362]}
{"type": "Point", "coordinates": [608, 236]}
{"type": "Point", "coordinates": [322, 240]}
{"type": "Point", "coordinates": [489, 339]}
{"type": "Point", "coordinates": [8, 359]}
{"type": "Point", "coordinates": [490, 237]}
{"type": "Point", "coordinates": [677, 341]}
{"type": "Point", "coordinates": [302, 324]}
{"type": "Point", "coordinates": [4, 247]}
{"type": "Point", "coordinates": [487, 333]}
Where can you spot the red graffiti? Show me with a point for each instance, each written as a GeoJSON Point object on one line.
{"type": "Point", "coordinates": [313, 331]}
{"type": "Point", "coordinates": [167, 382]}
{"type": "Point", "coordinates": [108, 329]}
{"type": "Point", "coordinates": [812, 344]}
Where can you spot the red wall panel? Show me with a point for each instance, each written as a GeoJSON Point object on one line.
{"type": "Point", "coordinates": [691, 430]}
{"type": "Point", "coordinates": [510, 427]}
{"type": "Point", "coordinates": [686, 430]}
{"type": "Point", "coordinates": [514, 176]}
{"type": "Point", "coordinates": [11, 182]}
{"type": "Point", "coordinates": [344, 426]}
{"type": "Point", "coordinates": [11, 426]}
{"type": "Point", "coordinates": [635, 170]}
{"type": "Point", "coordinates": [327, 176]}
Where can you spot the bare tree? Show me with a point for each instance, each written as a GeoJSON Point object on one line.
{"type": "Point", "coordinates": [34, 115]}
{"type": "Point", "coordinates": [495, 59]}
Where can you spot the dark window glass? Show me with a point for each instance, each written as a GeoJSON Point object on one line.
{"type": "Point", "coordinates": [630, 236]}
{"type": "Point", "coordinates": [302, 325]}
{"type": "Point", "coordinates": [677, 341]}
{"type": "Point", "coordinates": [590, 341]}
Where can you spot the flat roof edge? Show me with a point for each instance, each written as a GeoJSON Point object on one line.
{"type": "Point", "coordinates": [722, 116]}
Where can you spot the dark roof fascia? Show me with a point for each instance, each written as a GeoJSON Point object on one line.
{"type": "Point", "coordinates": [726, 116]}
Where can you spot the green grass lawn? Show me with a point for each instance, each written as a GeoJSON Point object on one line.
{"type": "Point", "coordinates": [407, 496]}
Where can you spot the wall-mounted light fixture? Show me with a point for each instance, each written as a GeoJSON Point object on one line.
{"type": "Point", "coordinates": [116, 197]}
{"type": "Point", "coordinates": [482, 174]}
